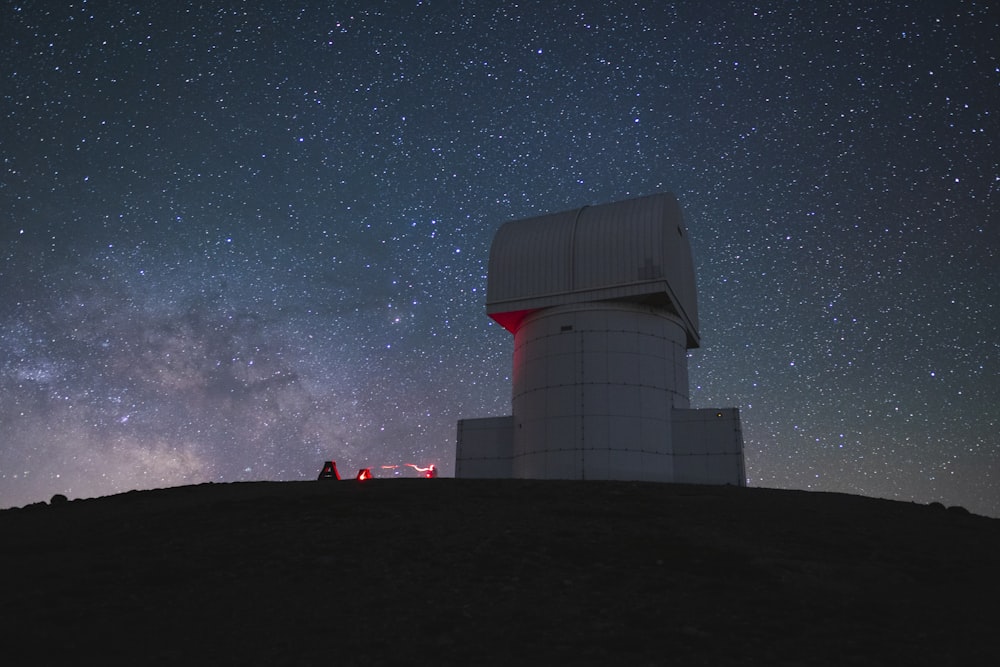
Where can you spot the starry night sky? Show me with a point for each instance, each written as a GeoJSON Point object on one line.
{"type": "Point", "coordinates": [239, 239]}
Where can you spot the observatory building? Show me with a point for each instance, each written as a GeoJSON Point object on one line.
{"type": "Point", "coordinates": [602, 304]}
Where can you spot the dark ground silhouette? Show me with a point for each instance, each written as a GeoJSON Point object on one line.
{"type": "Point", "coordinates": [413, 571]}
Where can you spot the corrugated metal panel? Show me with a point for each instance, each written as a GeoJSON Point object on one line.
{"type": "Point", "coordinates": [531, 257]}
{"type": "Point", "coordinates": [620, 243]}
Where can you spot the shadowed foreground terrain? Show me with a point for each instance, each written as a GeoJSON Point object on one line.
{"type": "Point", "coordinates": [449, 571]}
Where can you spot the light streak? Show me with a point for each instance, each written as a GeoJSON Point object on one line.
{"type": "Point", "coordinates": [429, 471]}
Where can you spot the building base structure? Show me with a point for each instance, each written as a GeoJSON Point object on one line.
{"type": "Point", "coordinates": [709, 451]}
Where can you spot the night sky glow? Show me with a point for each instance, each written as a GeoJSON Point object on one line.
{"type": "Point", "coordinates": [240, 239]}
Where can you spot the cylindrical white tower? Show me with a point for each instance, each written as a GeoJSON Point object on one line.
{"type": "Point", "coordinates": [593, 389]}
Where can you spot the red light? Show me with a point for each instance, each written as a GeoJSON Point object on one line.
{"type": "Point", "coordinates": [429, 472]}
{"type": "Point", "coordinates": [330, 471]}
{"type": "Point", "coordinates": [511, 320]}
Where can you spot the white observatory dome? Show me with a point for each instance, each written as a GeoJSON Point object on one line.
{"type": "Point", "coordinates": [635, 250]}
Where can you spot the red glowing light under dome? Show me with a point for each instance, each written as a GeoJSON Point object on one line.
{"type": "Point", "coordinates": [511, 320]}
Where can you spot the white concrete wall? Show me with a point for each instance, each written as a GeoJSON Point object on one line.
{"type": "Point", "coordinates": [594, 387]}
{"type": "Point", "coordinates": [483, 448]}
{"type": "Point", "coordinates": [708, 447]}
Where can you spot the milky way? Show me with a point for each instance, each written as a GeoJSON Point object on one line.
{"type": "Point", "coordinates": [240, 239]}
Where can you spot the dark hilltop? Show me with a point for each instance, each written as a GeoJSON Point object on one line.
{"type": "Point", "coordinates": [467, 572]}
